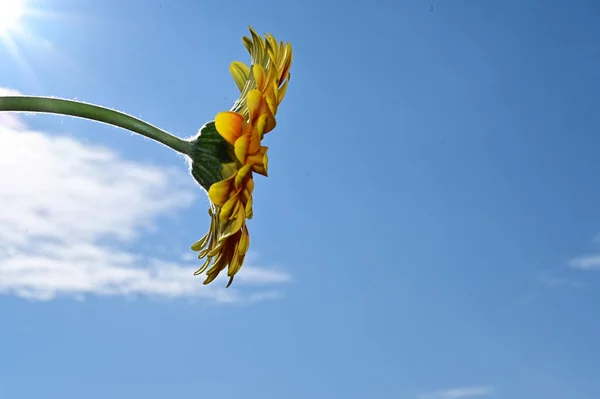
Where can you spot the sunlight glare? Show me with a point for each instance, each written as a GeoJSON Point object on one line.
{"type": "Point", "coordinates": [10, 12]}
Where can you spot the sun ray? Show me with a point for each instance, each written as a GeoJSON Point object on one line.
{"type": "Point", "coordinates": [22, 63]}
{"type": "Point", "coordinates": [11, 12]}
{"type": "Point", "coordinates": [17, 35]}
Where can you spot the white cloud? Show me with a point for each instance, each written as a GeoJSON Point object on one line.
{"type": "Point", "coordinates": [63, 202]}
{"type": "Point", "coordinates": [585, 262]}
{"type": "Point", "coordinates": [188, 256]}
{"type": "Point", "coordinates": [264, 296]}
{"type": "Point", "coordinates": [551, 280]}
{"type": "Point", "coordinates": [462, 392]}
{"type": "Point", "coordinates": [8, 92]}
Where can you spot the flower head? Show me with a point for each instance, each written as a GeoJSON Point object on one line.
{"type": "Point", "coordinates": [229, 151]}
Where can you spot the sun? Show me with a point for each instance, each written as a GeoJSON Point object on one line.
{"type": "Point", "coordinates": [10, 13]}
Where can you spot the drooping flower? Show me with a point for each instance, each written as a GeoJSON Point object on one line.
{"type": "Point", "coordinates": [262, 88]}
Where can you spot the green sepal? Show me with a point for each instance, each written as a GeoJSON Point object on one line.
{"type": "Point", "coordinates": [209, 151]}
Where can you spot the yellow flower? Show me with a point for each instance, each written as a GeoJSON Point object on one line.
{"type": "Point", "coordinates": [262, 88]}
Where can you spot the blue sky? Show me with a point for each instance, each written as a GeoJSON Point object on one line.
{"type": "Point", "coordinates": [429, 228]}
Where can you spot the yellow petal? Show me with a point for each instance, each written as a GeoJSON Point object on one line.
{"type": "Point", "coordinates": [270, 124]}
{"type": "Point", "coordinates": [239, 262]}
{"type": "Point", "coordinates": [218, 263]}
{"type": "Point", "coordinates": [258, 158]}
{"type": "Point", "coordinates": [217, 250]}
{"type": "Point", "coordinates": [265, 122]}
{"type": "Point", "coordinates": [205, 252]}
{"type": "Point", "coordinates": [217, 267]}
{"type": "Point", "coordinates": [271, 98]}
{"type": "Point", "coordinates": [254, 144]}
{"type": "Point", "coordinates": [219, 191]}
{"type": "Point", "coordinates": [254, 101]}
{"type": "Point", "coordinates": [283, 90]}
{"type": "Point", "coordinates": [235, 265]}
{"type": "Point", "coordinates": [260, 169]}
{"type": "Point", "coordinates": [271, 46]}
{"type": "Point", "coordinates": [229, 125]}
{"type": "Point", "coordinates": [259, 76]}
{"type": "Point", "coordinates": [257, 40]}
{"type": "Point", "coordinates": [261, 166]}
{"type": "Point", "coordinates": [234, 224]}
{"type": "Point", "coordinates": [240, 73]}
{"type": "Point", "coordinates": [281, 45]}
{"type": "Point", "coordinates": [248, 208]}
{"type": "Point", "coordinates": [272, 74]}
{"type": "Point", "coordinates": [236, 210]}
{"type": "Point", "coordinates": [210, 278]}
{"type": "Point", "coordinates": [250, 185]}
{"type": "Point", "coordinates": [246, 195]}
{"type": "Point", "coordinates": [203, 267]}
{"type": "Point", "coordinates": [259, 126]}
{"type": "Point", "coordinates": [247, 43]}
{"type": "Point", "coordinates": [287, 62]}
{"type": "Point", "coordinates": [244, 241]}
{"type": "Point", "coordinates": [201, 243]}
{"type": "Point", "coordinates": [228, 207]}
{"type": "Point", "coordinates": [241, 148]}
{"type": "Point", "coordinates": [241, 175]}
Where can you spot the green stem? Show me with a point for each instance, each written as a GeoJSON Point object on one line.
{"type": "Point", "coordinates": [93, 112]}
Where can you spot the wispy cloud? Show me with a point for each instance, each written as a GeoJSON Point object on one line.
{"type": "Point", "coordinates": [461, 392]}
{"type": "Point", "coordinates": [67, 209]}
{"type": "Point", "coordinates": [586, 262]}
{"type": "Point", "coordinates": [550, 280]}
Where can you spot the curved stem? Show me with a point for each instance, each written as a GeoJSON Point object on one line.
{"type": "Point", "coordinates": [93, 112]}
